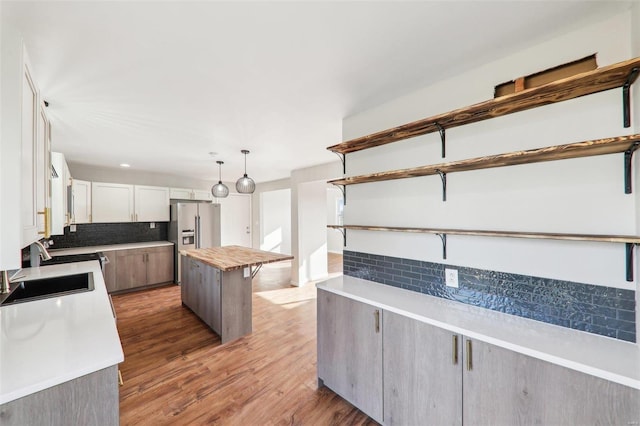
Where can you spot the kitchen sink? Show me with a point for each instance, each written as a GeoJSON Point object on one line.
{"type": "Point", "coordinates": [27, 291]}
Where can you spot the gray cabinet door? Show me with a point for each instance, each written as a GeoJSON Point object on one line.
{"type": "Point", "coordinates": [131, 269]}
{"type": "Point", "coordinates": [350, 351]}
{"type": "Point", "coordinates": [211, 290]}
{"type": "Point", "coordinates": [422, 373]}
{"type": "Point", "coordinates": [88, 400]}
{"type": "Point", "coordinates": [507, 388]}
{"type": "Point", "coordinates": [159, 265]}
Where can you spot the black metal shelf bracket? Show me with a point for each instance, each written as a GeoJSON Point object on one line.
{"type": "Point", "coordinates": [443, 137]}
{"type": "Point", "coordinates": [443, 238]}
{"type": "Point", "coordinates": [443, 178]}
{"type": "Point", "coordinates": [628, 157]}
{"type": "Point", "coordinates": [343, 189]}
{"type": "Point", "coordinates": [344, 236]}
{"type": "Point", "coordinates": [343, 160]}
{"type": "Point", "coordinates": [626, 103]}
{"type": "Point", "coordinates": [629, 260]}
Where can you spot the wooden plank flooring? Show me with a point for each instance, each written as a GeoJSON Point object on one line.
{"type": "Point", "coordinates": [177, 372]}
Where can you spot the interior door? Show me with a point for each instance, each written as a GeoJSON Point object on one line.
{"type": "Point", "coordinates": [236, 220]}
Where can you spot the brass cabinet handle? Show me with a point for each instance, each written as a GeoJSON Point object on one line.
{"type": "Point", "coordinates": [455, 349]}
{"type": "Point", "coordinates": [376, 315]}
{"type": "Point", "coordinates": [46, 231]}
{"type": "Point", "coordinates": [469, 356]}
{"type": "Point", "coordinates": [120, 381]}
{"type": "Point", "coordinates": [136, 217]}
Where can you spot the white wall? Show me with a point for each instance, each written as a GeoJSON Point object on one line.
{"type": "Point", "coordinates": [311, 232]}
{"type": "Point", "coordinates": [309, 221]}
{"type": "Point", "coordinates": [573, 196]}
{"type": "Point", "coordinates": [10, 142]}
{"type": "Point", "coordinates": [334, 237]}
{"type": "Point", "coordinates": [256, 203]}
{"type": "Point", "coordinates": [275, 221]}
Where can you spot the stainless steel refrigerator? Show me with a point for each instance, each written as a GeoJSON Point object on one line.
{"type": "Point", "coordinates": [193, 225]}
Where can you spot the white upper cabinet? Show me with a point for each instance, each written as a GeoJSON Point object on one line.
{"type": "Point", "coordinates": [112, 202]}
{"type": "Point", "coordinates": [81, 204]}
{"type": "Point", "coordinates": [190, 194]}
{"type": "Point", "coordinates": [59, 179]}
{"type": "Point", "coordinates": [151, 204]}
{"type": "Point", "coordinates": [29, 158]}
{"type": "Point", "coordinates": [202, 195]}
{"type": "Point", "coordinates": [180, 194]}
{"type": "Point", "coordinates": [43, 173]}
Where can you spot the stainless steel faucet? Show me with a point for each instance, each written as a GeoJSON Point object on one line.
{"type": "Point", "coordinates": [44, 254]}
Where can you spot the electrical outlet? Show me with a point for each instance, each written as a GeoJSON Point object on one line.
{"type": "Point", "coordinates": [72, 228]}
{"type": "Point", "coordinates": [451, 277]}
{"type": "Point", "coordinates": [152, 225]}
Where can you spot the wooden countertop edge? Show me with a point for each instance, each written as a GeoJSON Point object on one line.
{"type": "Point", "coordinates": [237, 266]}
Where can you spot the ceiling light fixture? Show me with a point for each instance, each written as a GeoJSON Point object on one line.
{"type": "Point", "coordinates": [245, 185]}
{"type": "Point", "coordinates": [219, 190]}
{"type": "Point", "coordinates": [125, 165]}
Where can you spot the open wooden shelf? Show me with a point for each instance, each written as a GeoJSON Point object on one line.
{"type": "Point", "coordinates": [613, 76]}
{"type": "Point", "coordinates": [630, 241]}
{"type": "Point", "coordinates": [551, 153]}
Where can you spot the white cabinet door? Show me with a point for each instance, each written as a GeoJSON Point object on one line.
{"type": "Point", "coordinates": [29, 157]}
{"type": "Point", "coordinates": [202, 195]}
{"type": "Point", "coordinates": [152, 204]}
{"type": "Point", "coordinates": [43, 174]}
{"type": "Point", "coordinates": [58, 194]}
{"type": "Point", "coordinates": [111, 202]}
{"type": "Point", "coordinates": [180, 194]}
{"type": "Point", "coordinates": [81, 201]}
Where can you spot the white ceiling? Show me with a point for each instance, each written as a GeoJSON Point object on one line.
{"type": "Point", "coordinates": [159, 85]}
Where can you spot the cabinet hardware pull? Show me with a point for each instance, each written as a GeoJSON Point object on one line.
{"type": "Point", "coordinates": [469, 356]}
{"type": "Point", "coordinates": [46, 232]}
{"type": "Point", "coordinates": [455, 350]}
{"type": "Point", "coordinates": [120, 381]}
{"type": "Point", "coordinates": [376, 314]}
{"type": "Point", "coordinates": [136, 217]}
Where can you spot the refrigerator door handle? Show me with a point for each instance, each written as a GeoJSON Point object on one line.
{"type": "Point", "coordinates": [197, 232]}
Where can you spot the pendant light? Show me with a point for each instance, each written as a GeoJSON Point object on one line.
{"type": "Point", "coordinates": [219, 190]}
{"type": "Point", "coordinates": [245, 185]}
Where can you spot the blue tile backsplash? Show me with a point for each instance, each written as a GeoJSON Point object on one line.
{"type": "Point", "coordinates": [600, 310]}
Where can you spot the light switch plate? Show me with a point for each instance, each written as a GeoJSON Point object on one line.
{"type": "Point", "coordinates": [451, 277]}
{"type": "Point", "coordinates": [72, 228]}
{"type": "Point", "coordinates": [152, 225]}
{"type": "Point", "coordinates": [247, 272]}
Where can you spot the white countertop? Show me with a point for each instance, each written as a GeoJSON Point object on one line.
{"type": "Point", "coordinates": [111, 247]}
{"type": "Point", "coordinates": [603, 357]}
{"type": "Point", "coordinates": [47, 342]}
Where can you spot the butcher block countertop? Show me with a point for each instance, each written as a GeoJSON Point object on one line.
{"type": "Point", "coordinates": [229, 258]}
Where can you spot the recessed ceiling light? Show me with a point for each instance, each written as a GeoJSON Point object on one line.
{"type": "Point", "coordinates": [213, 153]}
{"type": "Point", "coordinates": [125, 165]}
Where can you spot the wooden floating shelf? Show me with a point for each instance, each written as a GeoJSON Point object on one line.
{"type": "Point", "coordinates": [613, 76]}
{"type": "Point", "coordinates": [632, 239]}
{"type": "Point", "coordinates": [552, 153]}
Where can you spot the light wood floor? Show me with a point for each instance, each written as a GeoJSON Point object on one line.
{"type": "Point", "coordinates": [177, 372]}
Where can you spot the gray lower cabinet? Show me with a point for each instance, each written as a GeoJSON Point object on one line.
{"type": "Point", "coordinates": [434, 377]}
{"type": "Point", "coordinates": [422, 374]}
{"type": "Point", "coordinates": [502, 387]}
{"type": "Point", "coordinates": [221, 299]}
{"type": "Point", "coordinates": [129, 269]}
{"type": "Point", "coordinates": [88, 400]}
{"type": "Point", "coordinates": [350, 351]}
{"type": "Point", "coordinates": [200, 290]}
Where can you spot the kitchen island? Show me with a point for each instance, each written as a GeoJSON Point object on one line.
{"type": "Point", "coordinates": [216, 286]}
